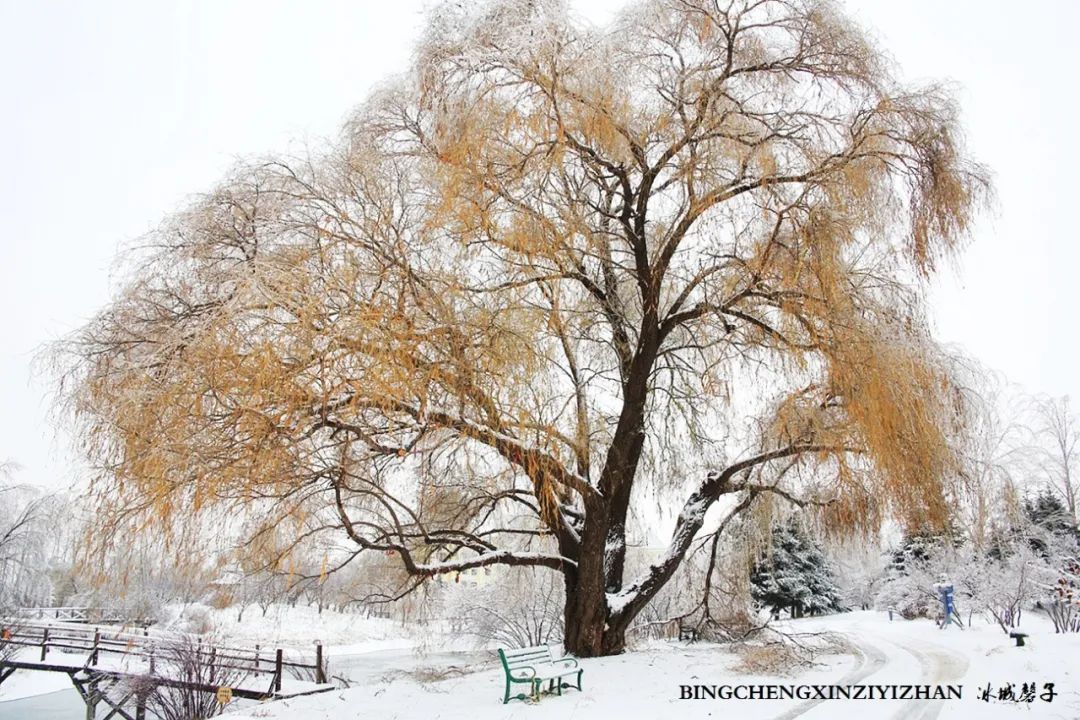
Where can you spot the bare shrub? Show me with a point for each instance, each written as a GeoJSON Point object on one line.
{"type": "Point", "coordinates": [1064, 604]}
{"type": "Point", "coordinates": [194, 620]}
{"type": "Point", "coordinates": [733, 624]}
{"type": "Point", "coordinates": [221, 600]}
{"type": "Point", "coordinates": [194, 671]}
{"type": "Point", "coordinates": [430, 674]}
{"type": "Point", "coordinates": [512, 609]}
{"type": "Point", "coordinates": [780, 653]}
{"type": "Point", "coordinates": [776, 658]}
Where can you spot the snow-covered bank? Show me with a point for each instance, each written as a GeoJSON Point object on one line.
{"type": "Point", "coordinates": [642, 684]}
{"type": "Point", "coordinates": [647, 683]}
{"type": "Point", "coordinates": [390, 679]}
{"type": "Point", "coordinates": [297, 627]}
{"type": "Point", "coordinates": [25, 683]}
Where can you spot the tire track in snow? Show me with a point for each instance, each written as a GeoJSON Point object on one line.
{"type": "Point", "coordinates": [871, 659]}
{"type": "Point", "coordinates": [940, 666]}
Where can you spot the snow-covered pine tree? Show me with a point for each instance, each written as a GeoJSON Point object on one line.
{"type": "Point", "coordinates": [916, 549]}
{"type": "Point", "coordinates": [916, 565]}
{"type": "Point", "coordinates": [795, 576]}
{"type": "Point", "coordinates": [1047, 511]}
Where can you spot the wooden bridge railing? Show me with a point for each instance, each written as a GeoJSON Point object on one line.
{"type": "Point", "coordinates": [95, 642]}
{"type": "Point", "coordinates": [78, 614]}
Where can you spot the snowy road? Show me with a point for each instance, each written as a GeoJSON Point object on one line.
{"type": "Point", "coordinates": [889, 658]}
{"type": "Point", "coordinates": [917, 653]}
{"type": "Point", "coordinates": [940, 666]}
{"type": "Point", "coordinates": [871, 659]}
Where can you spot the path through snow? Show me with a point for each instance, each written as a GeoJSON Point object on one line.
{"type": "Point", "coordinates": [882, 662]}
{"type": "Point", "coordinates": [917, 652]}
{"type": "Point", "coordinates": [871, 659]}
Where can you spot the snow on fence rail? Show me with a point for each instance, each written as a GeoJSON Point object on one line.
{"type": "Point", "coordinates": [98, 641]}
{"type": "Point", "coordinates": [77, 614]}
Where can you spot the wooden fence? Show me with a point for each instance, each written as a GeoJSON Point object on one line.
{"type": "Point", "coordinates": [154, 650]}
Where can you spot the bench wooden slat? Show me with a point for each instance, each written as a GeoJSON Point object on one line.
{"type": "Point", "coordinates": [528, 658]}
{"type": "Point", "coordinates": [521, 655]}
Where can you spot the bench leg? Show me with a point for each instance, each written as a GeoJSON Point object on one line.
{"type": "Point", "coordinates": [569, 685]}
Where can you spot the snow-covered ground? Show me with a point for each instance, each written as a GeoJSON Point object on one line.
{"type": "Point", "coordinates": [646, 683]}
{"type": "Point", "coordinates": [390, 678]}
{"type": "Point", "coordinates": [302, 626]}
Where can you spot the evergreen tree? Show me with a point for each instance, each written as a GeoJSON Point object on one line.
{"type": "Point", "coordinates": [1002, 541]}
{"type": "Point", "coordinates": [1050, 519]}
{"type": "Point", "coordinates": [1047, 511]}
{"type": "Point", "coordinates": [917, 563]}
{"type": "Point", "coordinates": [795, 576]}
{"type": "Point", "coordinates": [915, 550]}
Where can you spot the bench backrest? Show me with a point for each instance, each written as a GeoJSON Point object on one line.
{"type": "Point", "coordinates": [524, 657]}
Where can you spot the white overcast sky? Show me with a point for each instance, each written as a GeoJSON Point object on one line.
{"type": "Point", "coordinates": [113, 112]}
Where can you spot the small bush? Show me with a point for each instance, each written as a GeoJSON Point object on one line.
{"type": "Point", "coordinates": [196, 665]}
{"type": "Point", "coordinates": [221, 599]}
{"type": "Point", "coordinates": [511, 609]}
{"type": "Point", "coordinates": [194, 620]}
{"type": "Point", "coordinates": [772, 659]}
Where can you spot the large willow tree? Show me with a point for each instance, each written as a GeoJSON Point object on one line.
{"type": "Point", "coordinates": [554, 279]}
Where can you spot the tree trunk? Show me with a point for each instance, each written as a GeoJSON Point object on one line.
{"type": "Point", "coordinates": [590, 629]}
{"type": "Point", "coordinates": [585, 611]}
{"type": "Point", "coordinates": [590, 632]}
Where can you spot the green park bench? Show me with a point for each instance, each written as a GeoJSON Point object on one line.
{"type": "Point", "coordinates": [534, 666]}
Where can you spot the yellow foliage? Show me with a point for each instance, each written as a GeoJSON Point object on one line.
{"type": "Point", "coordinates": [528, 264]}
